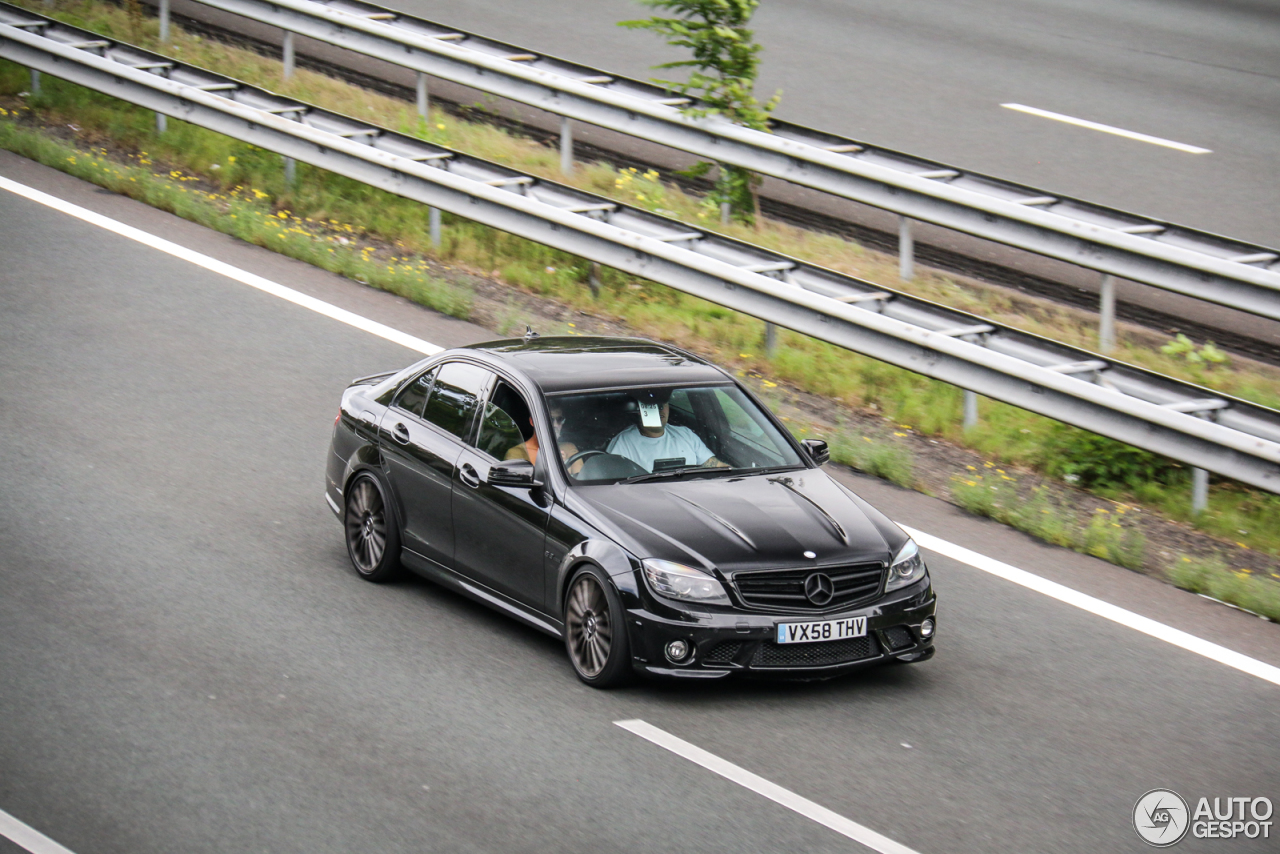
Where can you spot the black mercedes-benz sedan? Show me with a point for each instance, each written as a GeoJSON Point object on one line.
{"type": "Point", "coordinates": [630, 498]}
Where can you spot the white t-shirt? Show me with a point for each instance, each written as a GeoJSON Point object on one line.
{"type": "Point", "coordinates": [675, 442]}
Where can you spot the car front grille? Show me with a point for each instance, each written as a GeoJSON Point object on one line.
{"type": "Point", "coordinates": [770, 654]}
{"type": "Point", "coordinates": [899, 637]}
{"type": "Point", "coordinates": [784, 588]}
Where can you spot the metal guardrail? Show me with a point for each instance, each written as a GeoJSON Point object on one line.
{"type": "Point", "coordinates": [1194, 263]}
{"type": "Point", "coordinates": [1234, 438]}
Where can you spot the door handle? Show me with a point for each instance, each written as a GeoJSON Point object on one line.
{"type": "Point", "coordinates": [401, 434]}
{"type": "Point", "coordinates": [468, 475]}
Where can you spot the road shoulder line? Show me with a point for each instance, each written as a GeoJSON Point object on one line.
{"type": "Point", "coordinates": [221, 268]}
{"type": "Point", "coordinates": [1093, 605]}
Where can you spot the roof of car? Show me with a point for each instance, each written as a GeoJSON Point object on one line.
{"type": "Point", "coordinates": [573, 363]}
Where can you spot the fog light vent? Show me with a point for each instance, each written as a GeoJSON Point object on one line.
{"type": "Point", "coordinates": [899, 637]}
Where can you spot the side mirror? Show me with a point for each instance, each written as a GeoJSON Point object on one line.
{"type": "Point", "coordinates": [817, 450]}
{"type": "Point", "coordinates": [517, 473]}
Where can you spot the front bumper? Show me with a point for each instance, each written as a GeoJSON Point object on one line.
{"type": "Point", "coordinates": [743, 643]}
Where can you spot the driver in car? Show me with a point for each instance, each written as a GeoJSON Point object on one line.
{"type": "Point", "coordinates": [528, 449]}
{"type": "Point", "coordinates": [655, 442]}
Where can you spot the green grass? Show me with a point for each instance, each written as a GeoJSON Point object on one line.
{"type": "Point", "coordinates": [1212, 577]}
{"type": "Point", "coordinates": [878, 458]}
{"type": "Point", "coordinates": [323, 210]}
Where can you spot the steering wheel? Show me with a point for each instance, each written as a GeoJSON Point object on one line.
{"type": "Point", "coordinates": [582, 455]}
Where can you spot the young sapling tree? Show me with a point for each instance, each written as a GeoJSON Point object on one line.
{"type": "Point", "coordinates": [725, 63]}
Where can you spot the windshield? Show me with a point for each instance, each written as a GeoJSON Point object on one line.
{"type": "Point", "coordinates": [643, 433]}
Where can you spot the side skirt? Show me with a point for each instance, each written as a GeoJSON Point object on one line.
{"type": "Point", "coordinates": [433, 571]}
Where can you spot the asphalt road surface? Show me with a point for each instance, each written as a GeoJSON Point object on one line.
{"type": "Point", "coordinates": [928, 77]}
{"type": "Point", "coordinates": [188, 663]}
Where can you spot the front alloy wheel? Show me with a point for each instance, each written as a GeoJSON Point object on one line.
{"type": "Point", "coordinates": [373, 543]}
{"type": "Point", "coordinates": [595, 634]}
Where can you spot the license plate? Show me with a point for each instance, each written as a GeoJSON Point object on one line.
{"type": "Point", "coordinates": [825, 630]}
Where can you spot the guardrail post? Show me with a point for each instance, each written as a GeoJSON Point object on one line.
{"type": "Point", "coordinates": [1107, 318]}
{"type": "Point", "coordinates": [593, 280]}
{"type": "Point", "coordinates": [970, 409]}
{"type": "Point", "coordinates": [566, 146]}
{"type": "Point", "coordinates": [162, 123]}
{"type": "Point", "coordinates": [423, 101]}
{"type": "Point", "coordinates": [35, 82]}
{"type": "Point", "coordinates": [433, 224]}
{"type": "Point", "coordinates": [906, 250]}
{"type": "Point", "coordinates": [726, 213]}
{"type": "Point", "coordinates": [290, 171]}
{"type": "Point", "coordinates": [287, 51]}
{"type": "Point", "coordinates": [1199, 491]}
{"type": "Point", "coordinates": [770, 339]}
{"type": "Point", "coordinates": [164, 20]}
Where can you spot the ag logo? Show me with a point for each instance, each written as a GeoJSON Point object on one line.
{"type": "Point", "coordinates": [1161, 818]}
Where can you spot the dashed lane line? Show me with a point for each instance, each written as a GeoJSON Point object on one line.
{"type": "Point", "coordinates": [787, 798]}
{"type": "Point", "coordinates": [25, 836]}
{"type": "Point", "coordinates": [1127, 134]}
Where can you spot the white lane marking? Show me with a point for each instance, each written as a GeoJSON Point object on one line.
{"type": "Point", "coordinates": [761, 786]}
{"type": "Point", "coordinates": [1010, 573]}
{"type": "Point", "coordinates": [215, 266]}
{"type": "Point", "coordinates": [1106, 610]}
{"type": "Point", "coordinates": [27, 837]}
{"type": "Point", "coordinates": [1129, 134]}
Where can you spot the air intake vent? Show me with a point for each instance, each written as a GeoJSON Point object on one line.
{"type": "Point", "coordinates": [771, 654]}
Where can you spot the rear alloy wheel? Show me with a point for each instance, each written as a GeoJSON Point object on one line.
{"type": "Point", "coordinates": [373, 541]}
{"type": "Point", "coordinates": [595, 634]}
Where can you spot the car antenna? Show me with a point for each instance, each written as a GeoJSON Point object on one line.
{"type": "Point", "coordinates": [529, 334]}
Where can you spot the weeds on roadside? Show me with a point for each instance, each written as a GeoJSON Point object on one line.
{"type": "Point", "coordinates": [1212, 577]}
{"type": "Point", "coordinates": [886, 460]}
{"type": "Point", "coordinates": [995, 494]}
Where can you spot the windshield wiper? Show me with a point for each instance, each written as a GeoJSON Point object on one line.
{"type": "Point", "coordinates": [665, 473]}
{"type": "Point", "coordinates": [717, 470]}
{"type": "Point", "coordinates": [768, 469]}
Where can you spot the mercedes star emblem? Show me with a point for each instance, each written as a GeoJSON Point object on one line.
{"type": "Point", "coordinates": [819, 588]}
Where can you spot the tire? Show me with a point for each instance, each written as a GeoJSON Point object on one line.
{"type": "Point", "coordinates": [595, 630]}
{"type": "Point", "coordinates": [371, 532]}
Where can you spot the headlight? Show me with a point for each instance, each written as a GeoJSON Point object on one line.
{"type": "Point", "coordinates": [907, 568]}
{"type": "Point", "coordinates": [685, 583]}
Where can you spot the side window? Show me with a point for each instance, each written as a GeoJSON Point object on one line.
{"type": "Point", "coordinates": [740, 422]}
{"type": "Point", "coordinates": [414, 394]}
{"type": "Point", "coordinates": [750, 442]}
{"type": "Point", "coordinates": [682, 408]}
{"type": "Point", "coordinates": [505, 425]}
{"type": "Point", "coordinates": [453, 398]}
